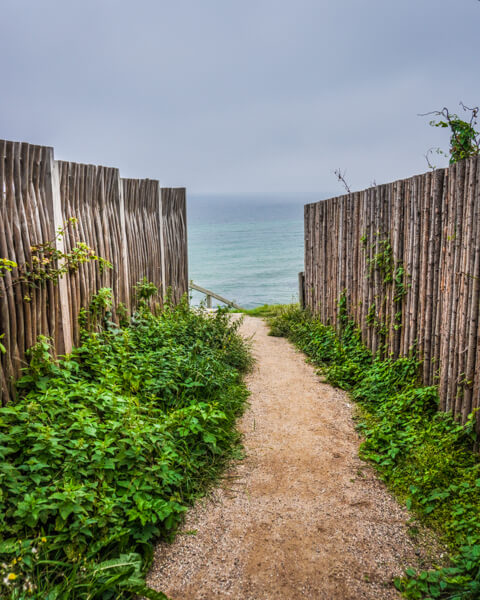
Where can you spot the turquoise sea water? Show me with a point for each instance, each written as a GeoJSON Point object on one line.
{"type": "Point", "coordinates": [247, 248]}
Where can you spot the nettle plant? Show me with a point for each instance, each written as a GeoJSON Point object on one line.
{"type": "Point", "coordinates": [145, 290]}
{"type": "Point", "coordinates": [105, 449]}
{"type": "Point", "coordinates": [464, 138]}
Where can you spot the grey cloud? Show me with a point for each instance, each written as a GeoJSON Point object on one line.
{"type": "Point", "coordinates": [259, 95]}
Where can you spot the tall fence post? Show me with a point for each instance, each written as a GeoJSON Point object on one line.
{"type": "Point", "coordinates": [162, 241]}
{"type": "Point", "coordinates": [64, 334]}
{"type": "Point", "coordinates": [124, 285]}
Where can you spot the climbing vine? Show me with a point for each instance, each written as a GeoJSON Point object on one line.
{"type": "Point", "coordinates": [48, 263]}
{"type": "Point", "coordinates": [399, 282]}
{"type": "Point", "coordinates": [464, 138]}
{"type": "Point", "coordinates": [382, 261]}
{"type": "Point", "coordinates": [391, 272]}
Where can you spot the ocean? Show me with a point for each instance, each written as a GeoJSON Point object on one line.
{"type": "Point", "coordinates": [247, 248]}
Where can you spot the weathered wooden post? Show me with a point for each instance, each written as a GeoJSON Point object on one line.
{"type": "Point", "coordinates": [161, 216]}
{"type": "Point", "coordinates": [301, 289]}
{"type": "Point", "coordinates": [124, 270]}
{"type": "Point", "coordinates": [64, 338]}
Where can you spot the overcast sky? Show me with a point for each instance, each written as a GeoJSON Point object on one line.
{"type": "Point", "coordinates": [236, 96]}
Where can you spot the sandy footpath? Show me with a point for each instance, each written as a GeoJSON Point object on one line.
{"type": "Point", "coordinates": [301, 516]}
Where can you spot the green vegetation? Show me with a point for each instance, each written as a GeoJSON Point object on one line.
{"type": "Point", "coordinates": [104, 450]}
{"type": "Point", "coordinates": [267, 310]}
{"type": "Point", "coordinates": [399, 281]}
{"type": "Point", "coordinates": [382, 261]}
{"type": "Point", "coordinates": [423, 455]}
{"type": "Point", "coordinates": [48, 263]}
{"type": "Point", "coordinates": [6, 265]}
{"type": "Point", "coordinates": [464, 138]}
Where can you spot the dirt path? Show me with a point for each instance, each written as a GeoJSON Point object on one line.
{"type": "Point", "coordinates": [302, 516]}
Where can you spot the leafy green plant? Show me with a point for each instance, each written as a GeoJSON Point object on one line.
{"type": "Point", "coordinates": [392, 273]}
{"type": "Point", "coordinates": [382, 261]}
{"type": "Point", "coordinates": [105, 449]}
{"type": "Point", "coordinates": [6, 265]}
{"type": "Point", "coordinates": [48, 263]}
{"type": "Point", "coordinates": [464, 138]}
{"type": "Point", "coordinates": [371, 317]}
{"type": "Point", "coordinates": [98, 315]}
{"type": "Point", "coordinates": [144, 290]}
{"type": "Point", "coordinates": [399, 276]}
{"type": "Point", "coordinates": [122, 314]}
{"type": "Point", "coordinates": [423, 455]}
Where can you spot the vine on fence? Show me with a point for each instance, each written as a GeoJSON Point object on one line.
{"type": "Point", "coordinates": [392, 272]}
{"type": "Point", "coordinates": [382, 261]}
{"type": "Point", "coordinates": [48, 263]}
{"type": "Point", "coordinates": [464, 138]}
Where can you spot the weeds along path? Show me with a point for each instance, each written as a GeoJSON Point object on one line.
{"type": "Point", "coordinates": [301, 516]}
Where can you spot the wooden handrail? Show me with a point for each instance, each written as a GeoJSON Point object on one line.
{"type": "Point", "coordinates": [209, 294]}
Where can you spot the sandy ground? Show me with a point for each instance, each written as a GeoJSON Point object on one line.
{"type": "Point", "coordinates": [301, 516]}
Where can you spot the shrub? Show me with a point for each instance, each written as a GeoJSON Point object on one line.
{"type": "Point", "coordinates": [104, 451]}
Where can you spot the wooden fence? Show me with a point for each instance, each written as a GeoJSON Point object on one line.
{"type": "Point", "coordinates": [406, 256]}
{"type": "Point", "coordinates": [134, 224]}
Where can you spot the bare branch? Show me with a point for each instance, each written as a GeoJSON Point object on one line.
{"type": "Point", "coordinates": [474, 111]}
{"type": "Point", "coordinates": [429, 151]}
{"type": "Point", "coordinates": [341, 177]}
{"type": "Point", "coordinates": [440, 113]}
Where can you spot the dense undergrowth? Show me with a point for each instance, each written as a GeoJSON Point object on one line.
{"type": "Point", "coordinates": [103, 452]}
{"type": "Point", "coordinates": [423, 455]}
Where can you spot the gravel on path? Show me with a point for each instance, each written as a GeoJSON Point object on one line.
{"type": "Point", "coordinates": [301, 516]}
